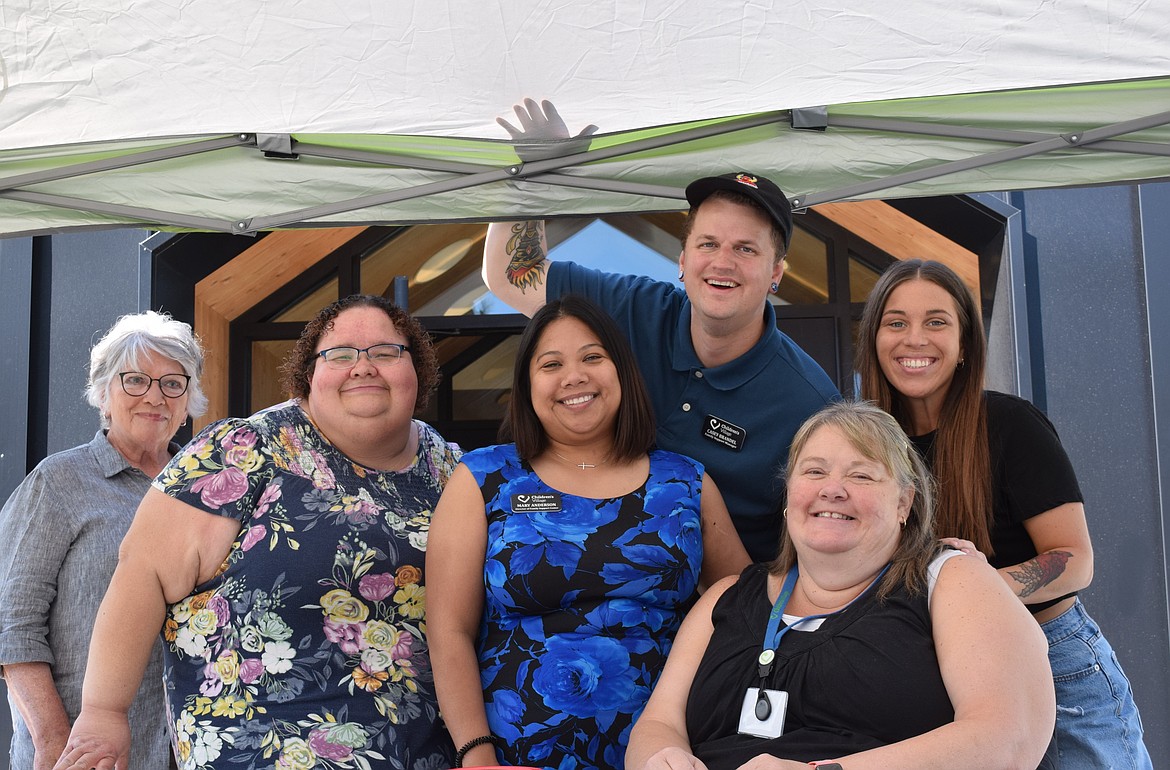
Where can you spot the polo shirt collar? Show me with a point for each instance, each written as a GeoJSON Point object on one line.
{"type": "Point", "coordinates": [109, 460]}
{"type": "Point", "coordinates": [734, 373]}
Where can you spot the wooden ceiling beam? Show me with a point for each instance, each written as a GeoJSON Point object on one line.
{"type": "Point", "coordinates": [902, 236]}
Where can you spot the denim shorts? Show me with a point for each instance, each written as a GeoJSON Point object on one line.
{"type": "Point", "coordinates": [1097, 722]}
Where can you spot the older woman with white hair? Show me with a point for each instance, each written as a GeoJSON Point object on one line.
{"type": "Point", "coordinates": [60, 531]}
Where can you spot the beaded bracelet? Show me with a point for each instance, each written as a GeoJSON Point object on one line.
{"type": "Point", "coordinates": [471, 744]}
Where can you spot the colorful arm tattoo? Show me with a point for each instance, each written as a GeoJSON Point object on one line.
{"type": "Point", "coordinates": [1039, 572]}
{"type": "Point", "coordinates": [526, 259]}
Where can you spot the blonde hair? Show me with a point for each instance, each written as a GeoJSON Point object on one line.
{"type": "Point", "coordinates": [878, 437]}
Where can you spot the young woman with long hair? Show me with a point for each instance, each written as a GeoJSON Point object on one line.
{"type": "Point", "coordinates": [1006, 490]}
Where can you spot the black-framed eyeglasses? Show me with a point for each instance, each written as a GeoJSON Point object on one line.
{"type": "Point", "coordinates": [386, 354]}
{"type": "Point", "coordinates": [138, 383]}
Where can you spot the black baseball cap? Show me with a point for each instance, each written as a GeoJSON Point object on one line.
{"type": "Point", "coordinates": [760, 189]}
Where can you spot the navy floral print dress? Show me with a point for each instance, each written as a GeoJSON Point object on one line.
{"type": "Point", "coordinates": [583, 599]}
{"type": "Point", "coordinates": [308, 649]}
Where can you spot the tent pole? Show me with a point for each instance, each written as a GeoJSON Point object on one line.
{"type": "Point", "coordinates": [1073, 140]}
{"type": "Point", "coordinates": [535, 171]}
{"type": "Point", "coordinates": [950, 131]}
{"type": "Point", "coordinates": [124, 161]}
{"type": "Point", "coordinates": [148, 217]}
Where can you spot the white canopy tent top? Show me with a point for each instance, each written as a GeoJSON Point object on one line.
{"type": "Point", "coordinates": [210, 116]}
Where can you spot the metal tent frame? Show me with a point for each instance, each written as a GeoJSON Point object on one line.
{"type": "Point", "coordinates": [943, 149]}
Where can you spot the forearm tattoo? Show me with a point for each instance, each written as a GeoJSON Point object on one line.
{"type": "Point", "coordinates": [1039, 572]}
{"type": "Point", "coordinates": [526, 263]}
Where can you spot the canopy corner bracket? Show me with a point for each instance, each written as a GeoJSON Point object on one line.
{"type": "Point", "coordinates": [810, 118]}
{"type": "Point", "coordinates": [276, 146]}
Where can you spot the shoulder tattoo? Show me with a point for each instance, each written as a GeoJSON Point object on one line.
{"type": "Point", "coordinates": [526, 259]}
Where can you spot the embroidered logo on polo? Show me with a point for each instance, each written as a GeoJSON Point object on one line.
{"type": "Point", "coordinates": [723, 432]}
{"type": "Point", "coordinates": [541, 502]}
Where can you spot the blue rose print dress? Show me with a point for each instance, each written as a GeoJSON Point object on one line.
{"type": "Point", "coordinates": [308, 649]}
{"type": "Point", "coordinates": [583, 599]}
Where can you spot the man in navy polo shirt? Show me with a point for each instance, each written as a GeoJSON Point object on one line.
{"type": "Point", "coordinates": [728, 387]}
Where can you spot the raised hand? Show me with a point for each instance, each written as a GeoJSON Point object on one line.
{"type": "Point", "coordinates": [542, 133]}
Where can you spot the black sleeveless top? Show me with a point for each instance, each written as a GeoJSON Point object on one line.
{"type": "Point", "coordinates": [866, 678]}
{"type": "Point", "coordinates": [1030, 474]}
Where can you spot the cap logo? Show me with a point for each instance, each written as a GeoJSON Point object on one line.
{"type": "Point", "coordinates": [750, 181]}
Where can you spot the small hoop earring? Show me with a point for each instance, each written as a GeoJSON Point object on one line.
{"type": "Point", "coordinates": [785, 514]}
{"type": "Point", "coordinates": [680, 275]}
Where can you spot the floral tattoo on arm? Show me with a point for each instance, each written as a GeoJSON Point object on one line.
{"type": "Point", "coordinates": [526, 259]}
{"type": "Point", "coordinates": [1039, 572]}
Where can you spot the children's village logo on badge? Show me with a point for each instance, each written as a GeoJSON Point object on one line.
{"type": "Point", "coordinates": [540, 502]}
{"type": "Point", "coordinates": [723, 432]}
{"type": "Point", "coordinates": [750, 181]}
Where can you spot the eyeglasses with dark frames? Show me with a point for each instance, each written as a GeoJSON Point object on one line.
{"type": "Point", "coordinates": [138, 383]}
{"type": "Point", "coordinates": [386, 354]}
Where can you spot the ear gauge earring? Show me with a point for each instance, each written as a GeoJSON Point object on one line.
{"type": "Point", "coordinates": [775, 287]}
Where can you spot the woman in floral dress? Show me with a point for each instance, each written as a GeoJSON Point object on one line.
{"type": "Point", "coordinates": [282, 557]}
{"type": "Point", "coordinates": [562, 564]}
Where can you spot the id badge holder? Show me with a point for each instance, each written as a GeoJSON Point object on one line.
{"type": "Point", "coordinates": [762, 713]}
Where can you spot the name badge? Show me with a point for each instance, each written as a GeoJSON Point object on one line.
{"type": "Point", "coordinates": [762, 713]}
{"type": "Point", "coordinates": [723, 432]}
{"type": "Point", "coordinates": [542, 502]}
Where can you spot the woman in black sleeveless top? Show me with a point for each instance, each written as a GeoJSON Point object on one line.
{"type": "Point", "coordinates": [889, 662]}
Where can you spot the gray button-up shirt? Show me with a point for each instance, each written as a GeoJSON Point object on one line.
{"type": "Point", "coordinates": [59, 537]}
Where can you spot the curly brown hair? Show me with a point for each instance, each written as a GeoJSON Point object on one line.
{"type": "Point", "coordinates": [297, 370]}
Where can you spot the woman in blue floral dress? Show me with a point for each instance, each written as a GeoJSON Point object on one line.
{"type": "Point", "coordinates": [562, 565]}
{"type": "Point", "coordinates": [282, 556]}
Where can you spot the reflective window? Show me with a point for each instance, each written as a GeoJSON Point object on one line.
{"type": "Point", "coordinates": [862, 277]}
{"type": "Point", "coordinates": [310, 304]}
{"type": "Point", "coordinates": [806, 272]}
{"type": "Point", "coordinates": [441, 263]}
{"type": "Point", "coordinates": [267, 356]}
{"type": "Point", "coordinates": [482, 389]}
